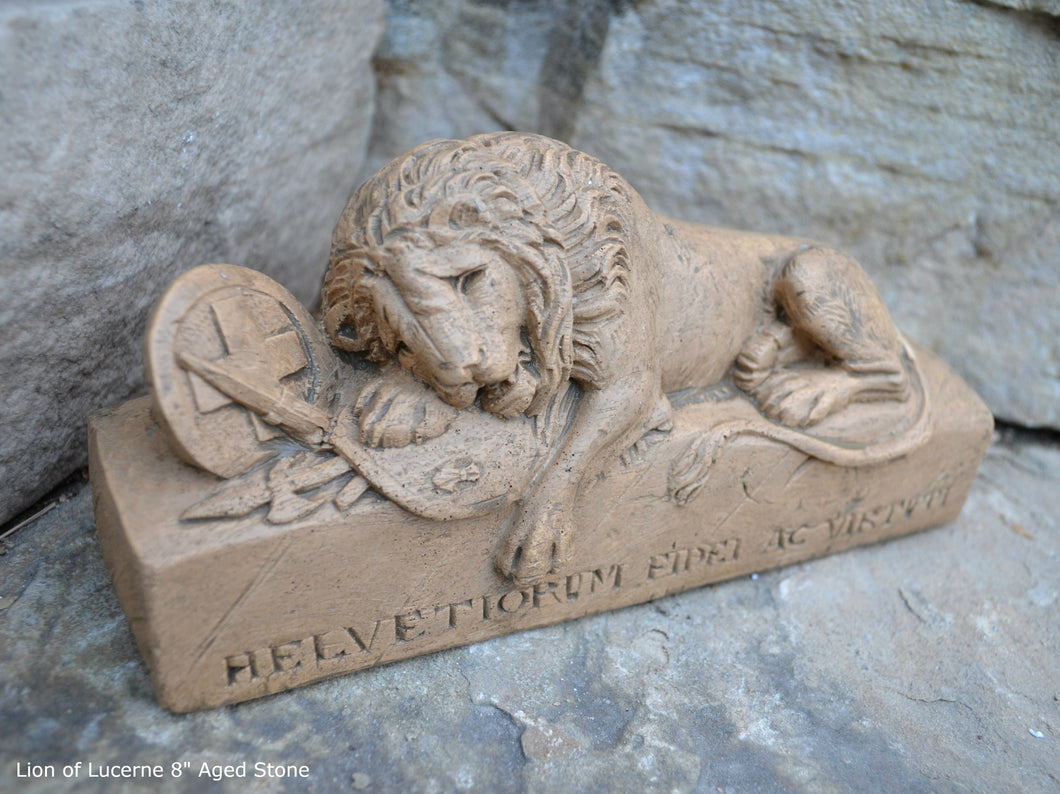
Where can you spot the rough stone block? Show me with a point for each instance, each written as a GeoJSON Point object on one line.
{"type": "Point", "coordinates": [342, 590]}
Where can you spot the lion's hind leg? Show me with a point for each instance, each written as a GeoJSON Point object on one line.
{"type": "Point", "coordinates": [837, 346]}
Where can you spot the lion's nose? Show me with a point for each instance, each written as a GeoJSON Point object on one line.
{"type": "Point", "coordinates": [459, 353]}
{"type": "Point", "coordinates": [450, 375]}
{"type": "Point", "coordinates": [459, 369]}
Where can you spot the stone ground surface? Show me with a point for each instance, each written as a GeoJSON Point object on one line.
{"type": "Point", "coordinates": [927, 664]}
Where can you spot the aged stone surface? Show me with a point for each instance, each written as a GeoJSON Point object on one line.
{"type": "Point", "coordinates": [926, 664]}
{"type": "Point", "coordinates": [457, 67]}
{"type": "Point", "coordinates": [919, 136]}
{"type": "Point", "coordinates": [529, 398]}
{"type": "Point", "coordinates": [139, 140]}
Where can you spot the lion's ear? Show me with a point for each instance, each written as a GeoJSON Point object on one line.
{"type": "Point", "coordinates": [460, 213]}
{"type": "Point", "coordinates": [341, 329]}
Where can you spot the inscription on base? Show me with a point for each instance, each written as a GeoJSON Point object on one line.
{"type": "Point", "coordinates": [363, 644]}
{"type": "Point", "coordinates": [860, 521]}
{"type": "Point", "coordinates": [352, 647]}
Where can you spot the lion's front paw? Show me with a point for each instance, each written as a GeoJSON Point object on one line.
{"type": "Point", "coordinates": [764, 353]}
{"type": "Point", "coordinates": [397, 410]}
{"type": "Point", "coordinates": [537, 544]}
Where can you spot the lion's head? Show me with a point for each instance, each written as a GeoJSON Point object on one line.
{"type": "Point", "coordinates": [457, 260]}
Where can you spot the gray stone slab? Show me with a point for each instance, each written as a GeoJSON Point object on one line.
{"type": "Point", "coordinates": [138, 140]}
{"type": "Point", "coordinates": [917, 135]}
{"type": "Point", "coordinates": [926, 664]}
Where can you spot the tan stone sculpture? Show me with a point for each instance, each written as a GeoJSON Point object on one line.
{"type": "Point", "coordinates": [530, 398]}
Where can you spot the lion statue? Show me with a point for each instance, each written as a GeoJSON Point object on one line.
{"type": "Point", "coordinates": [500, 268]}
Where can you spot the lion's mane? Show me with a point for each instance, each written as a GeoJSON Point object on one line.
{"type": "Point", "coordinates": [560, 218]}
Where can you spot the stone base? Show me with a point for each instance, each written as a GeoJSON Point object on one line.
{"type": "Point", "coordinates": [225, 611]}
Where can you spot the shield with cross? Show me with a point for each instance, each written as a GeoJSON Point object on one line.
{"type": "Point", "coordinates": [246, 386]}
{"type": "Point", "coordinates": [226, 339]}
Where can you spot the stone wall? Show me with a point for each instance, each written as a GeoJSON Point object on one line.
{"type": "Point", "coordinates": [138, 140]}
{"type": "Point", "coordinates": [920, 135]}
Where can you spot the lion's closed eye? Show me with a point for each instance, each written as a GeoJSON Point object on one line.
{"type": "Point", "coordinates": [405, 355]}
{"type": "Point", "coordinates": [463, 284]}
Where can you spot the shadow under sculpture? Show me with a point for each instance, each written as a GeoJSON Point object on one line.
{"type": "Point", "coordinates": [530, 398]}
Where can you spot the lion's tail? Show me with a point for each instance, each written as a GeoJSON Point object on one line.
{"type": "Point", "coordinates": [688, 472]}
